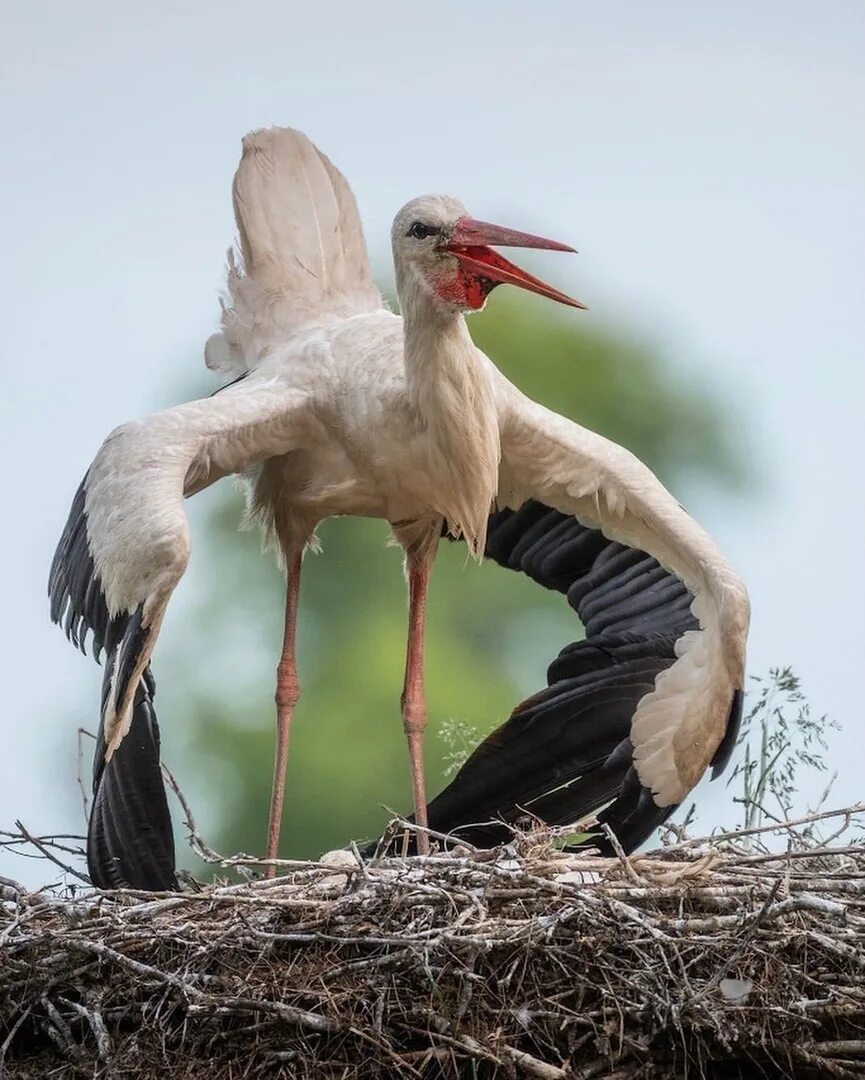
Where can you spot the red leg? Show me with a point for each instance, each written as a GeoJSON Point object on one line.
{"type": "Point", "coordinates": [287, 695]}
{"type": "Point", "coordinates": [414, 714]}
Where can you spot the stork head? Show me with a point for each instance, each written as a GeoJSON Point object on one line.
{"type": "Point", "coordinates": [439, 249]}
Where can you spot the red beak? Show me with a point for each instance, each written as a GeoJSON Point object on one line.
{"type": "Point", "coordinates": [470, 244]}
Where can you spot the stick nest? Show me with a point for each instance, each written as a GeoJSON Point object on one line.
{"type": "Point", "coordinates": [715, 958]}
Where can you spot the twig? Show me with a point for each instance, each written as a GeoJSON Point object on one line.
{"type": "Point", "coordinates": [532, 1065]}
{"type": "Point", "coordinates": [79, 771]}
{"type": "Point", "coordinates": [46, 853]}
{"type": "Point", "coordinates": [620, 854]}
{"type": "Point", "coordinates": [735, 834]}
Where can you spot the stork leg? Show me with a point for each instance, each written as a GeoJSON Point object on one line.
{"type": "Point", "coordinates": [287, 696]}
{"type": "Point", "coordinates": [414, 712]}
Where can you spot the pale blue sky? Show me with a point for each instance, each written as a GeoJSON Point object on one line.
{"type": "Point", "coordinates": [707, 161]}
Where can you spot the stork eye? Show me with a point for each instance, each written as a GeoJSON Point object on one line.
{"type": "Point", "coordinates": [419, 231]}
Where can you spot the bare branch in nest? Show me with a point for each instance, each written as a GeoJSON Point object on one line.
{"type": "Point", "coordinates": [45, 847]}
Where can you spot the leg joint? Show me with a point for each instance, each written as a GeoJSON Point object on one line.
{"type": "Point", "coordinates": [414, 715]}
{"type": "Point", "coordinates": [287, 686]}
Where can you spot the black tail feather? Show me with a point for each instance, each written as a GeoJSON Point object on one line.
{"type": "Point", "coordinates": [130, 843]}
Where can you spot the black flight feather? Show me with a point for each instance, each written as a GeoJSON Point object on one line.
{"type": "Point", "coordinates": [565, 753]}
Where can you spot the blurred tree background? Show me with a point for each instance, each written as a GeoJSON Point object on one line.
{"type": "Point", "coordinates": [491, 634]}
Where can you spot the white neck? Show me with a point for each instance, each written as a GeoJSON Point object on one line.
{"type": "Point", "coordinates": [450, 390]}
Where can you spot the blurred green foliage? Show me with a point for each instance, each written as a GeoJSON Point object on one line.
{"type": "Point", "coordinates": [491, 633]}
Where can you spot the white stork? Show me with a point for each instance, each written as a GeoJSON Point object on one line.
{"type": "Point", "coordinates": [337, 406]}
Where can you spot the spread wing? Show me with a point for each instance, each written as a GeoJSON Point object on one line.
{"type": "Point", "coordinates": [632, 715]}
{"type": "Point", "coordinates": [123, 551]}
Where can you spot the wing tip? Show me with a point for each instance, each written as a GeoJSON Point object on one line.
{"type": "Point", "coordinates": [77, 601]}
